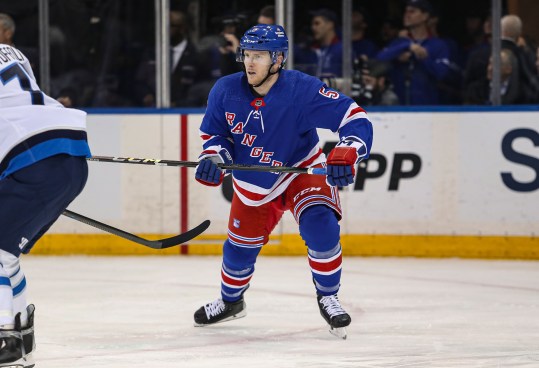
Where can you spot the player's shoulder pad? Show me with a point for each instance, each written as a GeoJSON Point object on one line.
{"type": "Point", "coordinates": [302, 83]}
{"type": "Point", "coordinates": [226, 85]}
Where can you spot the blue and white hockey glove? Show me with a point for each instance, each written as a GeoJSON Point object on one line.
{"type": "Point", "coordinates": [207, 171]}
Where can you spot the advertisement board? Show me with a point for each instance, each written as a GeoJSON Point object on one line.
{"type": "Point", "coordinates": [431, 175]}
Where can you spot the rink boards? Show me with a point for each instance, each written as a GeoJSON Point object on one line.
{"type": "Point", "coordinates": [438, 184]}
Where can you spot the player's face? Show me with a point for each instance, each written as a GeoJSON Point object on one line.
{"type": "Point", "coordinates": [256, 65]}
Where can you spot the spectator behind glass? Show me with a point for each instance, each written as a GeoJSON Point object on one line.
{"type": "Point", "coordinates": [361, 45]}
{"type": "Point", "coordinates": [218, 50]}
{"type": "Point", "coordinates": [266, 15]}
{"type": "Point", "coordinates": [480, 92]}
{"type": "Point", "coordinates": [371, 85]}
{"type": "Point", "coordinates": [478, 57]}
{"type": "Point", "coordinates": [511, 32]}
{"type": "Point", "coordinates": [324, 57]}
{"type": "Point", "coordinates": [419, 60]}
{"type": "Point", "coordinates": [7, 29]}
{"type": "Point", "coordinates": [450, 87]}
{"type": "Point", "coordinates": [7, 32]}
{"type": "Point", "coordinates": [475, 34]}
{"type": "Point", "coordinates": [389, 31]}
{"type": "Point", "coordinates": [217, 58]}
{"type": "Point", "coordinates": [183, 66]}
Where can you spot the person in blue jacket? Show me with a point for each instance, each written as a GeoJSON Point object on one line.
{"type": "Point", "coordinates": [419, 60]}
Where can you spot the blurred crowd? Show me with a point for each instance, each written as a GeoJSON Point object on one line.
{"type": "Point", "coordinates": [408, 63]}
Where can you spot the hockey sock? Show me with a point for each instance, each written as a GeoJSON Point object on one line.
{"type": "Point", "coordinates": [320, 229]}
{"type": "Point", "coordinates": [237, 269]}
{"type": "Point", "coordinates": [7, 320]}
{"type": "Point", "coordinates": [17, 280]}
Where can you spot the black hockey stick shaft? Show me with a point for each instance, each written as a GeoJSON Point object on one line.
{"type": "Point", "coordinates": [155, 162]}
{"type": "Point", "coordinates": [155, 244]}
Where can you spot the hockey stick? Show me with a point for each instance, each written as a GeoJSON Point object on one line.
{"type": "Point", "coordinates": [149, 161]}
{"type": "Point", "coordinates": [155, 244]}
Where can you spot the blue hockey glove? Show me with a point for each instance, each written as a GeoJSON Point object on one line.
{"type": "Point", "coordinates": [340, 168]}
{"type": "Point", "coordinates": [207, 171]}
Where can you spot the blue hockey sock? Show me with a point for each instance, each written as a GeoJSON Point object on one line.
{"type": "Point", "coordinates": [237, 269]}
{"type": "Point", "coordinates": [320, 229]}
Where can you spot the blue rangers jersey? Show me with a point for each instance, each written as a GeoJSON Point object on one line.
{"type": "Point", "coordinates": [33, 126]}
{"type": "Point", "coordinates": [278, 129]}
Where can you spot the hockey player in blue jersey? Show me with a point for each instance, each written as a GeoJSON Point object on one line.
{"type": "Point", "coordinates": [42, 169]}
{"type": "Point", "coordinates": [268, 116]}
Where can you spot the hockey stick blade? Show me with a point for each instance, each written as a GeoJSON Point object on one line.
{"type": "Point", "coordinates": [184, 237]}
{"type": "Point", "coordinates": [155, 244]}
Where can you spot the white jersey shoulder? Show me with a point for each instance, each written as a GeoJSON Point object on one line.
{"type": "Point", "coordinates": [18, 85]}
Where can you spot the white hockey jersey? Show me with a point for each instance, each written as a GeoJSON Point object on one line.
{"type": "Point", "coordinates": [33, 126]}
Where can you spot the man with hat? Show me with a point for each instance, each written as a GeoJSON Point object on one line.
{"type": "Point", "coordinates": [419, 59]}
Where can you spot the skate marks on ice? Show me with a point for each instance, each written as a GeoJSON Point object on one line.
{"type": "Point", "coordinates": [138, 312]}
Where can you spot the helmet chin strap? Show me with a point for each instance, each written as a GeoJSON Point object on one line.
{"type": "Point", "coordinates": [267, 76]}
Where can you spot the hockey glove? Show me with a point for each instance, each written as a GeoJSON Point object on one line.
{"type": "Point", "coordinates": [340, 168]}
{"type": "Point", "coordinates": [207, 171]}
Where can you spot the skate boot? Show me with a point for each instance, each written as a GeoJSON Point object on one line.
{"type": "Point", "coordinates": [12, 354]}
{"type": "Point", "coordinates": [335, 316]}
{"type": "Point", "coordinates": [219, 311]}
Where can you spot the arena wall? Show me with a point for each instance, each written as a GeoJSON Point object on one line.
{"type": "Point", "coordinates": [438, 184]}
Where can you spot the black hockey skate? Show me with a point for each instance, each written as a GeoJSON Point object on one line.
{"type": "Point", "coordinates": [28, 338]}
{"type": "Point", "coordinates": [219, 311]}
{"type": "Point", "coordinates": [12, 347]}
{"type": "Point", "coordinates": [335, 316]}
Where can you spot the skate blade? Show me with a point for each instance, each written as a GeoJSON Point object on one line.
{"type": "Point", "coordinates": [21, 363]}
{"type": "Point", "coordinates": [340, 332]}
{"type": "Point", "coordinates": [241, 314]}
{"type": "Point", "coordinates": [25, 362]}
{"type": "Point", "coordinates": [29, 360]}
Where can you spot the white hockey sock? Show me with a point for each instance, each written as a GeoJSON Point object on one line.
{"type": "Point", "coordinates": [19, 300]}
{"type": "Point", "coordinates": [17, 280]}
{"type": "Point", "coordinates": [7, 319]}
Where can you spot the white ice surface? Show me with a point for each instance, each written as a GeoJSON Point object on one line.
{"type": "Point", "coordinates": [137, 312]}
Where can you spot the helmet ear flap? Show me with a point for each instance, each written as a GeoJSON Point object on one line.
{"type": "Point", "coordinates": [275, 57]}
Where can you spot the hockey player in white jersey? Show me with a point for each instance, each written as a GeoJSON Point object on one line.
{"type": "Point", "coordinates": [42, 169]}
{"type": "Point", "coordinates": [268, 116]}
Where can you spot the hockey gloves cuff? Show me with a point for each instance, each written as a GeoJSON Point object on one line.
{"type": "Point", "coordinates": [207, 171]}
{"type": "Point", "coordinates": [341, 166]}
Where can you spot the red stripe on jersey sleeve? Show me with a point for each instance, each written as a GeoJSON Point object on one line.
{"type": "Point", "coordinates": [357, 110]}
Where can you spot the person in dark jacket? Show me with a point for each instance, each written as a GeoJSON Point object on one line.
{"type": "Point", "coordinates": [184, 68]}
{"type": "Point", "coordinates": [480, 92]}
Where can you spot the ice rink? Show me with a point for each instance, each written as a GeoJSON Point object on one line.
{"type": "Point", "coordinates": [137, 312]}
